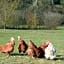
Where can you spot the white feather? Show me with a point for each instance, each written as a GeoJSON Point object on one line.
{"type": "Point", "coordinates": [50, 52]}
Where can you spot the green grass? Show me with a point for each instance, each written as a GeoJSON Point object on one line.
{"type": "Point", "coordinates": [38, 37]}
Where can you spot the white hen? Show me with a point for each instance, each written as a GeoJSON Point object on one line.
{"type": "Point", "coordinates": [50, 52]}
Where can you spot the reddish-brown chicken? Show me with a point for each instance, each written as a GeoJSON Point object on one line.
{"type": "Point", "coordinates": [22, 47]}
{"type": "Point", "coordinates": [33, 50]}
{"type": "Point", "coordinates": [8, 47]}
{"type": "Point", "coordinates": [30, 50]}
{"type": "Point", "coordinates": [43, 46]}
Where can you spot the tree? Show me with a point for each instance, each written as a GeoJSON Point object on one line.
{"type": "Point", "coordinates": [31, 15]}
{"type": "Point", "coordinates": [52, 20]}
{"type": "Point", "coordinates": [7, 8]}
{"type": "Point", "coordinates": [31, 19]}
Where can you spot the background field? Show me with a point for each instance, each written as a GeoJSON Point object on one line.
{"type": "Point", "coordinates": [38, 37]}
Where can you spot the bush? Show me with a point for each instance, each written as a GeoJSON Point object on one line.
{"type": "Point", "coordinates": [52, 19]}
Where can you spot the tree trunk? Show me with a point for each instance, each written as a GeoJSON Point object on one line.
{"type": "Point", "coordinates": [4, 26]}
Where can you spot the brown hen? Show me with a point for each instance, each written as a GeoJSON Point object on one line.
{"type": "Point", "coordinates": [8, 47]}
{"type": "Point", "coordinates": [43, 46]}
{"type": "Point", "coordinates": [33, 50]}
{"type": "Point", "coordinates": [22, 47]}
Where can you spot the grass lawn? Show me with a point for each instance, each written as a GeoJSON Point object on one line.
{"type": "Point", "coordinates": [38, 37]}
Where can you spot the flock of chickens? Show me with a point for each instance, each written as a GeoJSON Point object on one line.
{"type": "Point", "coordinates": [46, 49]}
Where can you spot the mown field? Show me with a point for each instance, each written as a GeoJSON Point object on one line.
{"type": "Point", "coordinates": [38, 37]}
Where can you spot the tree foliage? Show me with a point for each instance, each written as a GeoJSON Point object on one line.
{"type": "Point", "coordinates": [31, 13]}
{"type": "Point", "coordinates": [7, 9]}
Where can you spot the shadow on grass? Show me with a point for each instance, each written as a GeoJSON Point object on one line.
{"type": "Point", "coordinates": [18, 54]}
{"type": "Point", "coordinates": [59, 57]}
{"type": "Point", "coordinates": [23, 54]}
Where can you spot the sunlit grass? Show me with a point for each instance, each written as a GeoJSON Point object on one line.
{"type": "Point", "coordinates": [38, 37]}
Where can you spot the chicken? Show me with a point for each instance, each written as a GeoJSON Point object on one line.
{"type": "Point", "coordinates": [8, 47]}
{"type": "Point", "coordinates": [30, 50]}
{"type": "Point", "coordinates": [39, 53]}
{"type": "Point", "coordinates": [50, 52]}
{"type": "Point", "coordinates": [22, 47]}
{"type": "Point", "coordinates": [33, 50]}
{"type": "Point", "coordinates": [43, 46]}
